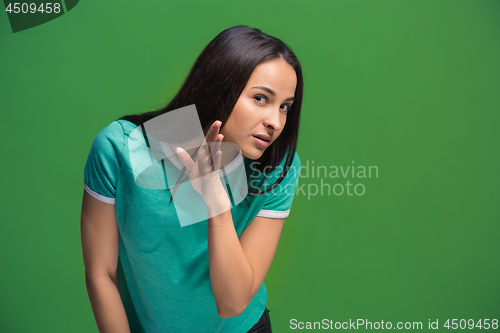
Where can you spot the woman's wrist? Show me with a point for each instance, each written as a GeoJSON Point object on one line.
{"type": "Point", "coordinates": [217, 200]}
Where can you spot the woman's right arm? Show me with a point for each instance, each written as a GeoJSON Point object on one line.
{"type": "Point", "coordinates": [99, 232]}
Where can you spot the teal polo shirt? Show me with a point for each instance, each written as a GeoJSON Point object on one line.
{"type": "Point", "coordinates": [163, 272]}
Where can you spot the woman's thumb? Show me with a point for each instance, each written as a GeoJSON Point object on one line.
{"type": "Point", "coordinates": [185, 159]}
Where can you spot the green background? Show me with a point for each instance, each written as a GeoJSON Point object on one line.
{"type": "Point", "coordinates": [412, 87]}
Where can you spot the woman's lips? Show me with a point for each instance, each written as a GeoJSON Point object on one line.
{"type": "Point", "coordinates": [260, 142]}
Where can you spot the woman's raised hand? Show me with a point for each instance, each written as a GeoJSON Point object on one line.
{"type": "Point", "coordinates": [203, 172]}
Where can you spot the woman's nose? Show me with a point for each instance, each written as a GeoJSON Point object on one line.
{"type": "Point", "coordinates": [272, 120]}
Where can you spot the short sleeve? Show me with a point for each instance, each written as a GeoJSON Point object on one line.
{"type": "Point", "coordinates": [103, 167]}
{"type": "Point", "coordinates": [279, 200]}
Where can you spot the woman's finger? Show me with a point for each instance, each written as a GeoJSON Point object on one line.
{"type": "Point", "coordinates": [218, 152]}
{"type": "Point", "coordinates": [219, 140]}
{"type": "Point", "coordinates": [212, 135]}
{"type": "Point", "coordinates": [202, 156]}
{"type": "Point", "coordinates": [214, 148]}
{"type": "Point", "coordinates": [217, 160]}
{"type": "Point", "coordinates": [216, 129]}
{"type": "Point", "coordinates": [217, 148]}
{"type": "Point", "coordinates": [213, 131]}
{"type": "Point", "coordinates": [208, 136]}
{"type": "Point", "coordinates": [185, 159]}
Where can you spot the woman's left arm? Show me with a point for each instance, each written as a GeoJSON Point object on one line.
{"type": "Point", "coordinates": [238, 266]}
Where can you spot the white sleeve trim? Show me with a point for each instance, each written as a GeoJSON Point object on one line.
{"type": "Point", "coordinates": [273, 213]}
{"type": "Point", "coordinates": [99, 196]}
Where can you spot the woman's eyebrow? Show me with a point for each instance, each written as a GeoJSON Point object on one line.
{"type": "Point", "coordinates": [271, 92]}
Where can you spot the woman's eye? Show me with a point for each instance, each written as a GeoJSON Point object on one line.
{"type": "Point", "coordinates": [260, 98]}
{"type": "Point", "coordinates": [285, 107]}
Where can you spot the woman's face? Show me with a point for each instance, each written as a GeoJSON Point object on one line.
{"type": "Point", "coordinates": [260, 113]}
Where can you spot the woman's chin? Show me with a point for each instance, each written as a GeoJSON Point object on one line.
{"type": "Point", "coordinates": [253, 154]}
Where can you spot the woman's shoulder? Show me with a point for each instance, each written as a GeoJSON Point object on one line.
{"type": "Point", "coordinates": [111, 140]}
{"type": "Point", "coordinates": [116, 131]}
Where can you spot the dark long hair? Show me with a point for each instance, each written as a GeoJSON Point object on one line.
{"type": "Point", "coordinates": [218, 78]}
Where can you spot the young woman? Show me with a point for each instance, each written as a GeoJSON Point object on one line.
{"type": "Point", "coordinates": [146, 273]}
